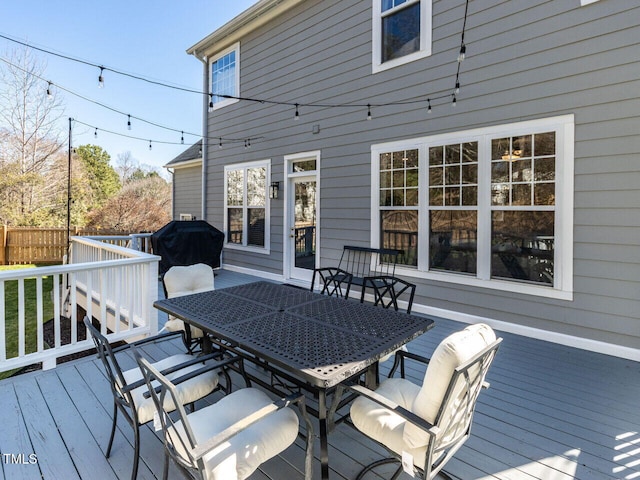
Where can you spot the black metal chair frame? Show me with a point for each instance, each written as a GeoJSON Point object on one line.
{"type": "Point", "coordinates": [474, 381]}
{"type": "Point", "coordinates": [121, 390]}
{"type": "Point", "coordinates": [355, 265]}
{"type": "Point", "coordinates": [159, 393]}
{"type": "Point", "coordinates": [387, 285]}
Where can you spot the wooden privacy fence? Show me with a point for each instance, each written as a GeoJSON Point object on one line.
{"type": "Point", "coordinates": [39, 245]}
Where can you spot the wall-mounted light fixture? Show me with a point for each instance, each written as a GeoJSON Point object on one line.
{"type": "Point", "coordinates": [274, 188]}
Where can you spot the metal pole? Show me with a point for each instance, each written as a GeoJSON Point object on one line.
{"type": "Point", "coordinates": [69, 191]}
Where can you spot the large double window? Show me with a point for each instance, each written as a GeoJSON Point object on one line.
{"type": "Point", "coordinates": [225, 77]}
{"type": "Point", "coordinates": [490, 207]}
{"type": "Point", "coordinates": [401, 32]}
{"type": "Point", "coordinates": [246, 205]}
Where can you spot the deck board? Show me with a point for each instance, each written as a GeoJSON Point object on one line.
{"type": "Point", "coordinates": [551, 413]}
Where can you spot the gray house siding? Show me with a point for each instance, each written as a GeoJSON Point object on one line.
{"type": "Point", "coordinates": [187, 191]}
{"type": "Point", "coordinates": [525, 60]}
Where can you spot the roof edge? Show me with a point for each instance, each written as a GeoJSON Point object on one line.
{"type": "Point", "coordinates": [252, 18]}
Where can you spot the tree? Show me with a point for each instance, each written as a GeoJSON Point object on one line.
{"type": "Point", "coordinates": [142, 205]}
{"type": "Point", "coordinates": [103, 180]}
{"type": "Point", "coordinates": [29, 140]}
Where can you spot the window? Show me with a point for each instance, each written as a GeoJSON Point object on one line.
{"type": "Point", "coordinates": [225, 77]}
{"type": "Point", "coordinates": [246, 205]}
{"type": "Point", "coordinates": [491, 207]}
{"type": "Point", "coordinates": [401, 32]}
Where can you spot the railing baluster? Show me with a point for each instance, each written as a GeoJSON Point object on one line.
{"type": "Point", "coordinates": [39, 315]}
{"type": "Point", "coordinates": [21, 316]}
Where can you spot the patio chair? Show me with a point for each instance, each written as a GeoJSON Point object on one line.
{"type": "Point", "coordinates": [356, 264]}
{"type": "Point", "coordinates": [187, 280]}
{"type": "Point", "coordinates": [128, 387]}
{"type": "Point", "coordinates": [424, 426]}
{"type": "Point", "coordinates": [387, 289]}
{"type": "Point", "coordinates": [229, 439]}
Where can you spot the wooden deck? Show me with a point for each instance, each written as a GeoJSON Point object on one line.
{"type": "Point", "coordinates": [552, 413]}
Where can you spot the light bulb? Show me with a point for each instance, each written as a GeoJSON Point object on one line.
{"type": "Point", "coordinates": [297, 115]}
{"type": "Point", "coordinates": [101, 78]}
{"type": "Point", "coordinates": [49, 94]}
{"type": "Point", "coordinates": [428, 105]}
{"type": "Point", "coordinates": [453, 103]}
{"type": "Point", "coordinates": [149, 144]}
{"type": "Point", "coordinates": [128, 122]}
{"type": "Point", "coordinates": [463, 51]}
{"type": "Point", "coordinates": [368, 111]}
{"type": "Point", "coordinates": [457, 90]}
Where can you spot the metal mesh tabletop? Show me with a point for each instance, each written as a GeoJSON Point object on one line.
{"type": "Point", "coordinates": [214, 308]}
{"type": "Point", "coordinates": [320, 339]}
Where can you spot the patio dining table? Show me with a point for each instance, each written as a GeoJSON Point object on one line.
{"type": "Point", "coordinates": [312, 341]}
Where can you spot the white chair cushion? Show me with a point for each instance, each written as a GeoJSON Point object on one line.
{"type": "Point", "coordinates": [383, 425]}
{"type": "Point", "coordinates": [187, 280]}
{"type": "Point", "coordinates": [242, 454]}
{"type": "Point", "coordinates": [189, 391]}
{"type": "Point", "coordinates": [452, 352]}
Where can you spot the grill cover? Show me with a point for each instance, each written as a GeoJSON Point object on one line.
{"type": "Point", "coordinates": [186, 243]}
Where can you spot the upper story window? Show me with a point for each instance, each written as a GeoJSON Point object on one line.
{"type": "Point", "coordinates": [246, 205]}
{"type": "Point", "coordinates": [490, 207]}
{"type": "Point", "coordinates": [225, 76]}
{"type": "Point", "coordinates": [401, 32]}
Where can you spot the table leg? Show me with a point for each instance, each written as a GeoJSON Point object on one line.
{"type": "Point", "coordinates": [324, 446]}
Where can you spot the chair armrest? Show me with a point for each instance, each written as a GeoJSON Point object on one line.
{"type": "Point", "coordinates": [186, 376]}
{"type": "Point", "coordinates": [205, 447]}
{"type": "Point", "coordinates": [399, 361]}
{"type": "Point", "coordinates": [395, 408]}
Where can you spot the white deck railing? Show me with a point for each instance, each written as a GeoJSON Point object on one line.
{"type": "Point", "coordinates": [111, 283]}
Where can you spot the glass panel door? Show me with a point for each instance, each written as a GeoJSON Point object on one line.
{"type": "Point", "coordinates": [304, 226]}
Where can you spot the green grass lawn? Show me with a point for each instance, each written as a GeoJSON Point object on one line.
{"type": "Point", "coordinates": [11, 312]}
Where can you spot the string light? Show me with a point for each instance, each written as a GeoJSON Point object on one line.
{"type": "Point", "coordinates": [453, 103]}
{"type": "Point", "coordinates": [368, 111]}
{"type": "Point", "coordinates": [210, 102]}
{"type": "Point", "coordinates": [462, 54]}
{"type": "Point", "coordinates": [220, 144]}
{"type": "Point", "coordinates": [297, 115]}
{"type": "Point", "coordinates": [428, 105]}
{"type": "Point", "coordinates": [150, 145]}
{"type": "Point", "coordinates": [457, 90]}
{"type": "Point", "coordinates": [129, 122]}
{"type": "Point", "coordinates": [182, 138]}
{"type": "Point", "coordinates": [95, 134]}
{"type": "Point", "coordinates": [101, 78]}
{"type": "Point", "coordinates": [49, 94]}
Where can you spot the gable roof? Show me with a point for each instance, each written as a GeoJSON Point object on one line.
{"type": "Point", "coordinates": [191, 155]}
{"type": "Point", "coordinates": [231, 32]}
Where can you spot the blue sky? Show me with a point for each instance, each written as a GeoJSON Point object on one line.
{"type": "Point", "coordinates": [140, 37]}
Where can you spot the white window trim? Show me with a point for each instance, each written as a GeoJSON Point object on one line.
{"type": "Point", "coordinates": [266, 250]}
{"type": "Point", "coordinates": [228, 101]}
{"type": "Point", "coordinates": [563, 275]}
{"type": "Point", "coordinates": [426, 28]}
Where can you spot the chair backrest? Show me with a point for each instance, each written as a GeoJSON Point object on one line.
{"type": "Point", "coordinates": [452, 382]}
{"type": "Point", "coordinates": [179, 438]}
{"type": "Point", "coordinates": [365, 262]}
{"type": "Point", "coordinates": [111, 366]}
{"type": "Point", "coordinates": [185, 280]}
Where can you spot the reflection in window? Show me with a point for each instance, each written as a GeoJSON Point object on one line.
{"type": "Point", "coordinates": [224, 77]}
{"type": "Point", "coordinates": [400, 232]}
{"type": "Point", "coordinates": [246, 201]}
{"type": "Point", "coordinates": [400, 30]}
{"type": "Point", "coordinates": [399, 203]}
{"type": "Point", "coordinates": [522, 245]}
{"type": "Point", "coordinates": [453, 240]}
